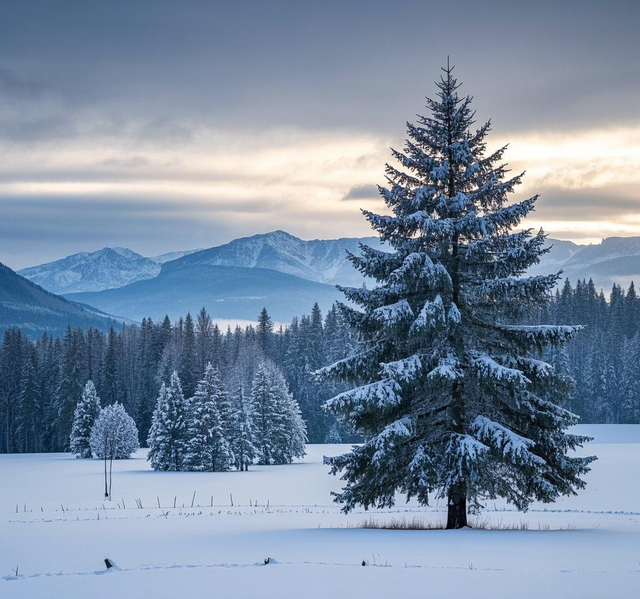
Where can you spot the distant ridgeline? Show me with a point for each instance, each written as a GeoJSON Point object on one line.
{"type": "Point", "coordinates": [41, 381]}
{"type": "Point", "coordinates": [35, 310]}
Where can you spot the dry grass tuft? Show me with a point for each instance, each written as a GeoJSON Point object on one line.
{"type": "Point", "coordinates": [416, 523]}
{"type": "Point", "coordinates": [420, 523]}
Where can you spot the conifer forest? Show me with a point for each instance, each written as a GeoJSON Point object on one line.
{"type": "Point", "coordinates": [41, 381]}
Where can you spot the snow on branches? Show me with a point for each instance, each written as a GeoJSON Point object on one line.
{"type": "Point", "coordinates": [214, 432]}
{"type": "Point", "coordinates": [450, 393]}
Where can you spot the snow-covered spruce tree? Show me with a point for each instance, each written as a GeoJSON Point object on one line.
{"type": "Point", "coordinates": [167, 437]}
{"type": "Point", "coordinates": [268, 420]}
{"type": "Point", "coordinates": [630, 401]}
{"type": "Point", "coordinates": [114, 435]}
{"type": "Point", "coordinates": [207, 448]}
{"type": "Point", "coordinates": [243, 434]}
{"type": "Point", "coordinates": [84, 417]}
{"type": "Point", "coordinates": [292, 442]}
{"type": "Point", "coordinates": [280, 431]}
{"type": "Point", "coordinates": [449, 394]}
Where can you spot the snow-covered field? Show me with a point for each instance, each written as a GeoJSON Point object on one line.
{"type": "Point", "coordinates": [56, 531]}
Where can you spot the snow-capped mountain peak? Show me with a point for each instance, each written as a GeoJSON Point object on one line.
{"type": "Point", "coordinates": [92, 271]}
{"type": "Point", "coordinates": [319, 260]}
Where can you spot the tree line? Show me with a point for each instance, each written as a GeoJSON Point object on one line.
{"type": "Point", "coordinates": [41, 382]}
{"type": "Point", "coordinates": [602, 362]}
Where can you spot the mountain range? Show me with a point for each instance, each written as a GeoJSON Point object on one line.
{"type": "Point", "coordinates": [614, 260]}
{"type": "Point", "coordinates": [233, 281]}
{"type": "Point", "coordinates": [236, 280]}
{"type": "Point", "coordinates": [319, 260]}
{"type": "Point", "coordinates": [94, 271]}
{"type": "Point", "coordinates": [28, 306]}
{"type": "Point", "coordinates": [276, 270]}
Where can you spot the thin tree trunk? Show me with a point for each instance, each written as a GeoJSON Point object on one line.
{"type": "Point", "coordinates": [106, 488]}
{"type": "Point", "coordinates": [110, 475]}
{"type": "Point", "coordinates": [457, 508]}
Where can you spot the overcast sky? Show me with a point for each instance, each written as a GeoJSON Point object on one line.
{"type": "Point", "coordinates": [164, 126]}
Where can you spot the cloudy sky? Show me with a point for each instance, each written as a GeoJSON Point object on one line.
{"type": "Point", "coordinates": [170, 125]}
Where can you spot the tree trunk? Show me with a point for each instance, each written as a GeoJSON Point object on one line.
{"type": "Point", "coordinates": [110, 474]}
{"type": "Point", "coordinates": [457, 508]}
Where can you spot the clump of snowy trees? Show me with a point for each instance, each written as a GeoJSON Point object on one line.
{"type": "Point", "coordinates": [106, 433]}
{"type": "Point", "coordinates": [215, 431]}
{"type": "Point", "coordinates": [449, 390]}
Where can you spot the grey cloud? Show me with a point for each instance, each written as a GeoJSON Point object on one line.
{"type": "Point", "coordinates": [49, 128]}
{"type": "Point", "coordinates": [363, 192]}
{"type": "Point", "coordinates": [16, 86]}
{"type": "Point", "coordinates": [161, 71]}
{"type": "Point", "coordinates": [164, 129]}
{"type": "Point", "coordinates": [608, 203]}
{"type": "Point", "coordinates": [319, 65]}
{"type": "Point", "coordinates": [133, 162]}
{"type": "Point", "coordinates": [59, 208]}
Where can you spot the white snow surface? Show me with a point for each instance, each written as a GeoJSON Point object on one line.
{"type": "Point", "coordinates": [56, 530]}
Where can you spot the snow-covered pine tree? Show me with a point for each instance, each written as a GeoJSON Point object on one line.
{"type": "Point", "coordinates": [114, 435]}
{"type": "Point", "coordinates": [243, 435]}
{"type": "Point", "coordinates": [167, 436]}
{"type": "Point", "coordinates": [449, 397]}
{"type": "Point", "coordinates": [84, 417]}
{"type": "Point", "coordinates": [265, 333]}
{"type": "Point", "coordinates": [29, 414]}
{"type": "Point", "coordinates": [207, 449]}
{"type": "Point", "coordinates": [267, 420]}
{"type": "Point", "coordinates": [280, 430]}
{"type": "Point", "coordinates": [291, 436]}
{"type": "Point", "coordinates": [630, 400]}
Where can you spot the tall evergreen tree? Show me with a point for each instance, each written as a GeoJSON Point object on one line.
{"type": "Point", "coordinates": [167, 437]}
{"type": "Point", "coordinates": [265, 333]}
{"type": "Point", "coordinates": [188, 369]}
{"type": "Point", "coordinates": [12, 360]}
{"type": "Point", "coordinates": [109, 386]}
{"type": "Point", "coordinates": [292, 440]}
{"type": "Point", "coordinates": [601, 383]}
{"type": "Point", "coordinates": [267, 419]}
{"type": "Point", "coordinates": [630, 397]}
{"type": "Point", "coordinates": [84, 417]}
{"type": "Point", "coordinates": [448, 397]}
{"type": "Point", "coordinates": [280, 430]}
{"type": "Point", "coordinates": [69, 391]}
{"type": "Point", "coordinates": [243, 432]}
{"type": "Point", "coordinates": [204, 340]}
{"type": "Point", "coordinates": [207, 448]}
{"type": "Point", "coordinates": [147, 388]}
{"type": "Point", "coordinates": [28, 417]}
